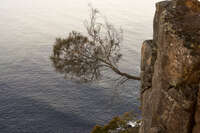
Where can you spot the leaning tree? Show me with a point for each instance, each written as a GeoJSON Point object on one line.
{"type": "Point", "coordinates": [83, 57]}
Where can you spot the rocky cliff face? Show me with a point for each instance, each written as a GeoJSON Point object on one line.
{"type": "Point", "coordinates": [170, 70]}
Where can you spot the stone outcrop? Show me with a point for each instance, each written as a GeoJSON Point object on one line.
{"type": "Point", "coordinates": [170, 70]}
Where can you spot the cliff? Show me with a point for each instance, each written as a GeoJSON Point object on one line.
{"type": "Point", "coordinates": [170, 70]}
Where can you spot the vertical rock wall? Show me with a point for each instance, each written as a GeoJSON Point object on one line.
{"type": "Point", "coordinates": [170, 70]}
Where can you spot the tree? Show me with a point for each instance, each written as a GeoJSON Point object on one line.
{"type": "Point", "coordinates": [84, 57]}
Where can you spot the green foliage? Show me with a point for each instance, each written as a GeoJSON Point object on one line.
{"type": "Point", "coordinates": [83, 57]}
{"type": "Point", "coordinates": [117, 125]}
{"type": "Point", "coordinates": [72, 57]}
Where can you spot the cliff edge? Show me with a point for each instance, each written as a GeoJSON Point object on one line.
{"type": "Point", "coordinates": [170, 70]}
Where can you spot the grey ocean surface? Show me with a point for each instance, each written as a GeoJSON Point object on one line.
{"type": "Point", "coordinates": [36, 99]}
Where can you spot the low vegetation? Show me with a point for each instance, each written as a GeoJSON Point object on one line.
{"type": "Point", "coordinates": [119, 124]}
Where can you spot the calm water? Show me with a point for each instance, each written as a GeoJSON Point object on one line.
{"type": "Point", "coordinates": [36, 99]}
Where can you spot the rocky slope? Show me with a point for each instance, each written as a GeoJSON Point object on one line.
{"type": "Point", "coordinates": [170, 70]}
